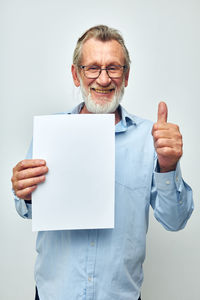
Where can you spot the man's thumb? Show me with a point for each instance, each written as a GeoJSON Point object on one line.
{"type": "Point", "coordinates": [162, 112]}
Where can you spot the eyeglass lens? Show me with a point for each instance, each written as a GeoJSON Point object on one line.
{"type": "Point", "coordinates": [94, 71]}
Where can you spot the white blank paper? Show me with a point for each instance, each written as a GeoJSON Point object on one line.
{"type": "Point", "coordinates": [79, 189]}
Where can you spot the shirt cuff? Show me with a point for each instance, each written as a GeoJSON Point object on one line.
{"type": "Point", "coordinates": [24, 209]}
{"type": "Point", "coordinates": [169, 180]}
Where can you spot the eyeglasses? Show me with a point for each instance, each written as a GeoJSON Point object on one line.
{"type": "Point", "coordinates": [93, 72]}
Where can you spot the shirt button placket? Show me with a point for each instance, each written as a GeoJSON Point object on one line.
{"type": "Point", "coordinates": [92, 243]}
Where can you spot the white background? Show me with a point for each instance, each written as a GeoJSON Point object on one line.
{"type": "Point", "coordinates": [37, 41]}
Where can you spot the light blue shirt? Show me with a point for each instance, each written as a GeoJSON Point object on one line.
{"type": "Point", "coordinates": [106, 264]}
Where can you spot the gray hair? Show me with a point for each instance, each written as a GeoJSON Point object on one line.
{"type": "Point", "coordinates": [102, 33]}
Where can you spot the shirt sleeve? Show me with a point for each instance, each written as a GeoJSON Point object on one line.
{"type": "Point", "coordinates": [24, 208]}
{"type": "Point", "coordinates": [171, 199]}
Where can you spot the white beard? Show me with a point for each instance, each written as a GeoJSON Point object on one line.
{"type": "Point", "coordinates": [97, 108]}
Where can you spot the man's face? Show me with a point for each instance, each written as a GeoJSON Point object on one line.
{"type": "Point", "coordinates": [103, 94]}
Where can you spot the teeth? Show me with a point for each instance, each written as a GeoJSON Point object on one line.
{"type": "Point", "coordinates": [102, 91]}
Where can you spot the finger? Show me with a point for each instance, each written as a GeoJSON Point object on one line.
{"type": "Point", "coordinates": [31, 172]}
{"type": "Point", "coordinates": [165, 142]}
{"type": "Point", "coordinates": [23, 184]}
{"type": "Point", "coordinates": [158, 134]}
{"type": "Point", "coordinates": [168, 134]}
{"type": "Point", "coordinates": [172, 153]}
{"type": "Point", "coordinates": [30, 163]}
{"type": "Point", "coordinates": [25, 193]}
{"type": "Point", "coordinates": [162, 112]}
{"type": "Point", "coordinates": [165, 126]}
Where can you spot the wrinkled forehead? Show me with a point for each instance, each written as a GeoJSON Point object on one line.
{"type": "Point", "coordinates": [102, 52]}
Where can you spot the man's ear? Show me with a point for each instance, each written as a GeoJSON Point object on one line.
{"type": "Point", "coordinates": [126, 77]}
{"type": "Point", "coordinates": [75, 75]}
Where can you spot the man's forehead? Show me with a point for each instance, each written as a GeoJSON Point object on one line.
{"type": "Point", "coordinates": [96, 49]}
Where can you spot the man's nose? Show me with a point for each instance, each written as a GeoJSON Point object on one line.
{"type": "Point", "coordinates": [103, 79]}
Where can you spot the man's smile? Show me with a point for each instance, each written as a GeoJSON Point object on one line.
{"type": "Point", "coordinates": [102, 91]}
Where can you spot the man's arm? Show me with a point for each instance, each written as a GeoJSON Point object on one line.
{"type": "Point", "coordinates": [171, 196]}
{"type": "Point", "coordinates": [171, 199]}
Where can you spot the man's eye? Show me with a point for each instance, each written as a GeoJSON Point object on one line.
{"type": "Point", "coordinates": [93, 68]}
{"type": "Point", "coordinates": [112, 68]}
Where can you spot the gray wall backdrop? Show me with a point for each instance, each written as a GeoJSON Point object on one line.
{"type": "Point", "coordinates": [37, 41]}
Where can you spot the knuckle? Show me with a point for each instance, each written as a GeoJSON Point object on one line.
{"type": "Point", "coordinates": [155, 126]}
{"type": "Point", "coordinates": [36, 180]}
{"type": "Point", "coordinates": [20, 185]}
{"type": "Point", "coordinates": [19, 175]}
{"type": "Point", "coordinates": [157, 134]}
{"type": "Point", "coordinates": [179, 135]}
{"type": "Point", "coordinates": [165, 151]}
{"type": "Point", "coordinates": [13, 185]}
{"type": "Point", "coordinates": [44, 169]}
{"type": "Point", "coordinates": [154, 133]}
{"type": "Point", "coordinates": [177, 127]}
{"type": "Point", "coordinates": [21, 164]}
{"type": "Point", "coordinates": [180, 143]}
{"type": "Point", "coordinates": [180, 153]}
{"type": "Point", "coordinates": [157, 143]}
{"type": "Point", "coordinates": [18, 194]}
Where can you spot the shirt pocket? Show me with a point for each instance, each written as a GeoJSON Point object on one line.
{"type": "Point", "coordinates": [133, 168]}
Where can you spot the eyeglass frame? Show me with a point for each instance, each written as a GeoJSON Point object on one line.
{"type": "Point", "coordinates": [101, 69]}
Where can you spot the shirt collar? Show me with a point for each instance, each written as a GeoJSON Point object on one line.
{"type": "Point", "coordinates": [126, 121]}
{"type": "Point", "coordinates": [126, 118]}
{"type": "Point", "coordinates": [77, 109]}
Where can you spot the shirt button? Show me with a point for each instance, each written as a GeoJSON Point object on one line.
{"type": "Point", "coordinates": [92, 244]}
{"type": "Point", "coordinates": [167, 182]}
{"type": "Point", "coordinates": [176, 178]}
{"type": "Point", "coordinates": [89, 278]}
{"type": "Point", "coordinates": [180, 202]}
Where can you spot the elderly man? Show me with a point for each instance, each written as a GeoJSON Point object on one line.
{"type": "Point", "coordinates": [106, 264]}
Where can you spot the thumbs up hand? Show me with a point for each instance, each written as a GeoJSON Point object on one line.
{"type": "Point", "coordinates": [167, 141]}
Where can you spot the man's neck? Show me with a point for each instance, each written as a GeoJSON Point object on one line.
{"type": "Point", "coordinates": [117, 114]}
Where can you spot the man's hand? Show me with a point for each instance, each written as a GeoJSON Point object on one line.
{"type": "Point", "coordinates": [27, 174]}
{"type": "Point", "coordinates": [167, 141]}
